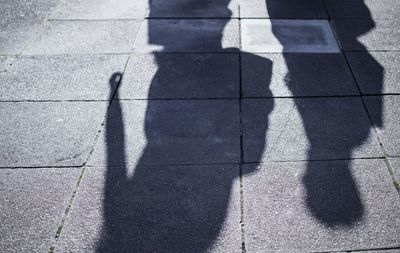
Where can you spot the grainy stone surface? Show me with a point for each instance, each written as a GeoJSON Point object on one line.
{"type": "Point", "coordinates": [320, 206]}
{"type": "Point", "coordinates": [194, 9]}
{"type": "Point", "coordinates": [267, 75]}
{"type": "Point", "coordinates": [385, 115]}
{"type": "Point", "coordinates": [194, 35]}
{"type": "Point", "coordinates": [48, 134]}
{"type": "Point", "coordinates": [395, 164]}
{"type": "Point", "coordinates": [376, 72]}
{"type": "Point", "coordinates": [382, 251]}
{"type": "Point", "coordinates": [170, 132]}
{"type": "Point", "coordinates": [279, 9]}
{"type": "Point", "coordinates": [5, 62]}
{"type": "Point", "coordinates": [307, 128]}
{"type": "Point", "coordinates": [80, 37]}
{"type": "Point", "coordinates": [15, 36]}
{"type": "Point", "coordinates": [150, 76]}
{"type": "Point", "coordinates": [157, 209]}
{"type": "Point", "coordinates": [81, 77]}
{"type": "Point", "coordinates": [20, 20]}
{"type": "Point", "coordinates": [163, 101]}
{"type": "Point", "coordinates": [367, 35]}
{"type": "Point", "coordinates": [100, 9]}
{"type": "Point", "coordinates": [33, 201]}
{"type": "Point", "coordinates": [288, 36]}
{"type": "Point", "coordinates": [364, 9]}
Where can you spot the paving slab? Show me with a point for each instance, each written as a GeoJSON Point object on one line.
{"type": "Point", "coordinates": [100, 9]}
{"type": "Point", "coordinates": [20, 20]}
{"type": "Point", "coordinates": [193, 35]}
{"type": "Point", "coordinates": [278, 9]}
{"type": "Point", "coordinates": [48, 134]}
{"type": "Point", "coordinates": [381, 251]}
{"type": "Point", "coordinates": [296, 74]}
{"type": "Point", "coordinates": [84, 37]}
{"type": "Point", "coordinates": [194, 9]}
{"type": "Point", "coordinates": [181, 76]}
{"type": "Point", "coordinates": [289, 36]}
{"type": "Point", "coordinates": [5, 62]}
{"type": "Point", "coordinates": [25, 10]}
{"type": "Point", "coordinates": [307, 129]}
{"type": "Point", "coordinates": [367, 35]}
{"type": "Point", "coordinates": [83, 77]}
{"type": "Point", "coordinates": [376, 72]}
{"type": "Point", "coordinates": [320, 206]}
{"type": "Point", "coordinates": [15, 36]}
{"type": "Point", "coordinates": [395, 164]}
{"type": "Point", "coordinates": [158, 209]}
{"type": "Point", "coordinates": [33, 202]}
{"type": "Point", "coordinates": [385, 115]}
{"type": "Point", "coordinates": [364, 9]}
{"type": "Point", "coordinates": [170, 132]}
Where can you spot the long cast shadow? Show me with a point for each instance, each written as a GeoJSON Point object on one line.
{"type": "Point", "coordinates": [335, 127]}
{"type": "Point", "coordinates": [176, 208]}
{"type": "Point", "coordinates": [164, 208]}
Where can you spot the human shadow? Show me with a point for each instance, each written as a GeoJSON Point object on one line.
{"type": "Point", "coordinates": [335, 127]}
{"type": "Point", "coordinates": [175, 201]}
{"type": "Point", "coordinates": [182, 188]}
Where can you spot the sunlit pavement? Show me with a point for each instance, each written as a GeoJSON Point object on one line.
{"type": "Point", "coordinates": [199, 126]}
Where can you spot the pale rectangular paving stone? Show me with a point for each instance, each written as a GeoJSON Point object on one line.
{"type": "Point", "coordinates": [19, 21]}
{"type": "Point", "coordinates": [365, 9]}
{"type": "Point", "coordinates": [280, 35]}
{"type": "Point", "coordinates": [80, 37]}
{"type": "Point", "coordinates": [280, 9]}
{"type": "Point", "coordinates": [48, 134]}
{"type": "Point", "coordinates": [155, 209]}
{"type": "Point", "coordinates": [296, 74]}
{"type": "Point", "coordinates": [101, 9]}
{"type": "Point", "coordinates": [33, 202]}
{"type": "Point", "coordinates": [376, 72]}
{"type": "Point", "coordinates": [169, 132]}
{"type": "Point", "coordinates": [83, 77]}
{"type": "Point", "coordinates": [320, 206]}
{"type": "Point", "coordinates": [181, 76]}
{"type": "Point", "coordinates": [193, 9]}
{"type": "Point", "coordinates": [188, 35]}
{"type": "Point", "coordinates": [367, 35]}
{"type": "Point", "coordinates": [307, 129]}
{"type": "Point", "coordinates": [385, 115]}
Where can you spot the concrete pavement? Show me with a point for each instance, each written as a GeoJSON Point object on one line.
{"type": "Point", "coordinates": [199, 126]}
